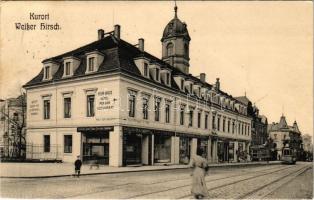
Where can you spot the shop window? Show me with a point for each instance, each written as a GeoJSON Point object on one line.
{"type": "Point", "coordinates": [145, 108]}
{"type": "Point", "coordinates": [67, 107]}
{"type": "Point", "coordinates": [68, 144]}
{"type": "Point", "coordinates": [46, 143]}
{"type": "Point", "coordinates": [131, 105]}
{"type": "Point", "coordinates": [90, 105]}
{"type": "Point", "coordinates": [206, 121]}
{"type": "Point", "coordinates": [46, 109]}
{"type": "Point", "coordinates": [199, 120]}
{"type": "Point", "coordinates": [167, 109]}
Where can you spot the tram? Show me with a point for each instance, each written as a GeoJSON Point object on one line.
{"type": "Point", "coordinates": [288, 156]}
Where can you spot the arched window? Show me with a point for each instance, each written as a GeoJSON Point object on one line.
{"type": "Point", "coordinates": [170, 49]}
{"type": "Point", "coordinates": [186, 50]}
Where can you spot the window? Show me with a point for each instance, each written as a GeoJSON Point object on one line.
{"type": "Point", "coordinates": [182, 115]}
{"type": "Point", "coordinates": [15, 117]}
{"type": "Point", "coordinates": [233, 127]}
{"type": "Point", "coordinates": [68, 144]}
{"type": "Point", "coordinates": [206, 121]}
{"type": "Point", "coordinates": [170, 49]}
{"type": "Point", "coordinates": [131, 105]}
{"type": "Point", "coordinates": [199, 91]}
{"type": "Point", "coordinates": [157, 74]}
{"type": "Point", "coordinates": [91, 64]}
{"type": "Point", "coordinates": [67, 107]}
{"type": "Point", "coordinates": [239, 128]}
{"type": "Point", "coordinates": [191, 88]}
{"type": "Point", "coordinates": [275, 136]}
{"type": "Point", "coordinates": [182, 84]}
{"type": "Point", "coordinates": [248, 130]}
{"type": "Point", "coordinates": [168, 78]}
{"type": "Point", "coordinates": [186, 50]}
{"type": "Point", "coordinates": [223, 125]}
{"type": "Point", "coordinates": [213, 122]}
{"type": "Point", "coordinates": [145, 108]}
{"type": "Point", "coordinates": [46, 109]}
{"type": "Point", "coordinates": [157, 109]}
{"type": "Point", "coordinates": [218, 123]}
{"type": "Point", "coordinates": [67, 68]}
{"type": "Point", "coordinates": [199, 120]}
{"type": "Point", "coordinates": [167, 109]}
{"type": "Point", "coordinates": [90, 105]}
{"type": "Point", "coordinates": [145, 69]}
{"type": "Point", "coordinates": [228, 126]}
{"type": "Point", "coordinates": [242, 129]}
{"type": "Point", "coordinates": [46, 143]}
{"type": "Point", "coordinates": [191, 118]}
{"type": "Point", "coordinates": [47, 72]}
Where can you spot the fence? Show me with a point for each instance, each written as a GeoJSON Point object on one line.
{"type": "Point", "coordinates": [39, 152]}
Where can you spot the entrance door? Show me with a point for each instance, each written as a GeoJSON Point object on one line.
{"type": "Point", "coordinates": [185, 148]}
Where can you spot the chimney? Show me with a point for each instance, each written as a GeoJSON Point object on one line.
{"type": "Point", "coordinates": [217, 84]}
{"type": "Point", "coordinates": [101, 34]}
{"type": "Point", "coordinates": [203, 77]}
{"type": "Point", "coordinates": [117, 31]}
{"type": "Point", "coordinates": [141, 44]}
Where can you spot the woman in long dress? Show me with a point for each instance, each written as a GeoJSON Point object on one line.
{"type": "Point", "coordinates": [200, 167]}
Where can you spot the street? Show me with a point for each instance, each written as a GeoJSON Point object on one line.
{"type": "Point", "coordinates": [273, 181]}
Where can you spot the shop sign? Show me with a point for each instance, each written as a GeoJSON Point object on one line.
{"type": "Point", "coordinates": [133, 130]}
{"type": "Point", "coordinates": [94, 128]}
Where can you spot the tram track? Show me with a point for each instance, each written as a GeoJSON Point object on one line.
{"type": "Point", "coordinates": [250, 178]}
{"type": "Point", "coordinates": [117, 187]}
{"type": "Point", "coordinates": [212, 180]}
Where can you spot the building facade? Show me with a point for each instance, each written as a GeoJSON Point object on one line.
{"type": "Point", "coordinates": [12, 127]}
{"type": "Point", "coordinates": [115, 103]}
{"type": "Point", "coordinates": [284, 135]}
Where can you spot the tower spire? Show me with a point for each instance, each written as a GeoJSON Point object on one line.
{"type": "Point", "coordinates": [175, 9]}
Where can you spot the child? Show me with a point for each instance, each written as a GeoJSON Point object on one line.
{"type": "Point", "coordinates": [78, 164]}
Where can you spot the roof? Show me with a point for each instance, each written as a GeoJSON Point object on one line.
{"type": "Point", "coordinates": [282, 126]}
{"type": "Point", "coordinates": [243, 99]}
{"type": "Point", "coordinates": [119, 57]}
{"type": "Point", "coordinates": [176, 28]}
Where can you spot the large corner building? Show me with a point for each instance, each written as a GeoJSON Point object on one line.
{"type": "Point", "coordinates": [115, 103]}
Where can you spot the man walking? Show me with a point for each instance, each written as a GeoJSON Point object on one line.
{"type": "Point", "coordinates": [78, 164]}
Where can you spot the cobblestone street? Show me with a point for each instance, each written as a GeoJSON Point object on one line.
{"type": "Point", "coordinates": [276, 181]}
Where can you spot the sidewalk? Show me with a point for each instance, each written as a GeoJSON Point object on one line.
{"type": "Point", "coordinates": [47, 170]}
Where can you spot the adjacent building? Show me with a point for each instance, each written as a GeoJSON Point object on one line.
{"type": "Point", "coordinates": [112, 102]}
{"type": "Point", "coordinates": [284, 135]}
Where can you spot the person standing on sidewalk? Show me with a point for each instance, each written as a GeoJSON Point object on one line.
{"type": "Point", "coordinates": [200, 168]}
{"type": "Point", "coordinates": [78, 164]}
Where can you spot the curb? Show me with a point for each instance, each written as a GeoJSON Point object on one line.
{"type": "Point", "coordinates": [142, 170]}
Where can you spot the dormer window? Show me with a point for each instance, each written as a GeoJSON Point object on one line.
{"type": "Point", "coordinates": [91, 64]}
{"type": "Point", "coordinates": [157, 74]}
{"type": "Point", "coordinates": [94, 60]}
{"type": "Point", "coordinates": [47, 72]}
{"type": "Point", "coordinates": [182, 84]}
{"type": "Point", "coordinates": [145, 69]}
{"type": "Point", "coordinates": [68, 68]}
{"type": "Point", "coordinates": [167, 78]}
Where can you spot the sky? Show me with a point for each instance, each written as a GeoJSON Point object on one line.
{"type": "Point", "coordinates": [263, 49]}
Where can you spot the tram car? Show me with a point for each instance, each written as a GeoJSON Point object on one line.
{"type": "Point", "coordinates": [260, 153]}
{"type": "Point", "coordinates": [288, 156]}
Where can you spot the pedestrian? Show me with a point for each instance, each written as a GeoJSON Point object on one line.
{"type": "Point", "coordinates": [78, 164]}
{"type": "Point", "coordinates": [199, 166]}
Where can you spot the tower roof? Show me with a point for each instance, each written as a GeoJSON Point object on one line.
{"type": "Point", "coordinates": [295, 127]}
{"type": "Point", "coordinates": [176, 28]}
{"type": "Point", "coordinates": [283, 122]}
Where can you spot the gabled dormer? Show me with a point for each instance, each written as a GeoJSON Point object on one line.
{"type": "Point", "coordinates": [189, 85]}
{"type": "Point", "coordinates": [166, 76]}
{"type": "Point", "coordinates": [50, 68]}
{"type": "Point", "coordinates": [142, 64]}
{"type": "Point", "coordinates": [154, 70]}
{"type": "Point", "coordinates": [93, 61]}
{"type": "Point", "coordinates": [180, 81]}
{"type": "Point", "coordinates": [204, 92]}
{"type": "Point", "coordinates": [70, 65]}
{"type": "Point", "coordinates": [197, 89]}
